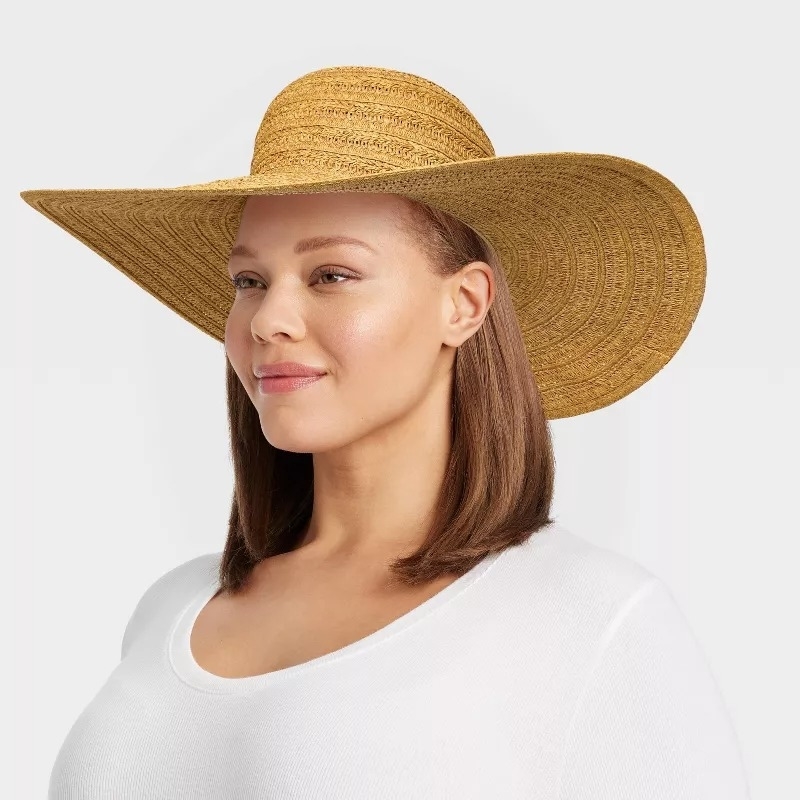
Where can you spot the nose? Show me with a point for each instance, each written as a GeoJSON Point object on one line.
{"type": "Point", "coordinates": [279, 312]}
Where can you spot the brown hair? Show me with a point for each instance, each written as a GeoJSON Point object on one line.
{"type": "Point", "coordinates": [498, 485]}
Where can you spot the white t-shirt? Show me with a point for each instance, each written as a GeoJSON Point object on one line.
{"type": "Point", "coordinates": [554, 670]}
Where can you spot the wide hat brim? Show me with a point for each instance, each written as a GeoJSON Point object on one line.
{"type": "Point", "coordinates": [604, 256]}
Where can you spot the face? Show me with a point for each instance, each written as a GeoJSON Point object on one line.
{"type": "Point", "coordinates": [377, 328]}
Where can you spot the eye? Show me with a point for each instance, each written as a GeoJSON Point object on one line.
{"type": "Point", "coordinates": [334, 271]}
{"type": "Point", "coordinates": [237, 280]}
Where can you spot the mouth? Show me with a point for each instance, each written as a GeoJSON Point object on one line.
{"type": "Point", "coordinates": [287, 369]}
{"type": "Point", "coordinates": [281, 384]}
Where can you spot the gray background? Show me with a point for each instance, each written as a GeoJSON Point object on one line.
{"type": "Point", "coordinates": [114, 407]}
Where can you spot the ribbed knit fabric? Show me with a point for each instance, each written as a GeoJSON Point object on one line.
{"type": "Point", "coordinates": [553, 670]}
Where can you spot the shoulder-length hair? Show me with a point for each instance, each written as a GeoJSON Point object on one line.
{"type": "Point", "coordinates": [498, 485]}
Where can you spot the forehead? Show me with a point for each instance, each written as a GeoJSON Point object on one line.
{"type": "Point", "coordinates": [346, 210]}
{"type": "Point", "coordinates": [272, 224]}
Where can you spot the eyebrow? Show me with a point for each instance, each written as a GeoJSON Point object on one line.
{"type": "Point", "coordinates": [307, 245]}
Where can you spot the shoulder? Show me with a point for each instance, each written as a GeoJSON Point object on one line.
{"type": "Point", "coordinates": [651, 714]}
{"type": "Point", "coordinates": [592, 583]}
{"type": "Point", "coordinates": [646, 710]}
{"type": "Point", "coordinates": [169, 591]}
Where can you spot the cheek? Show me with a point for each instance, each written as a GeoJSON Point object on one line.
{"type": "Point", "coordinates": [379, 346]}
{"type": "Point", "coordinates": [237, 346]}
{"type": "Point", "coordinates": [364, 334]}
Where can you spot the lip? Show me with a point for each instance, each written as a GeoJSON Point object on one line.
{"type": "Point", "coordinates": [286, 383]}
{"type": "Point", "coordinates": [287, 369]}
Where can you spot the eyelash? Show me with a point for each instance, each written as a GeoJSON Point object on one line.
{"type": "Point", "coordinates": [235, 280]}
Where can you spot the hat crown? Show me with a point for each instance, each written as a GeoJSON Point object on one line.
{"type": "Point", "coordinates": [356, 121]}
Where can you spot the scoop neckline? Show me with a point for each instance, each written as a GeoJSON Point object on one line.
{"type": "Point", "coordinates": [191, 673]}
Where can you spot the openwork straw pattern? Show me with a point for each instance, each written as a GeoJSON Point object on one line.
{"type": "Point", "coordinates": [604, 256]}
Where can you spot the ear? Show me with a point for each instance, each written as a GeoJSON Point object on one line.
{"type": "Point", "coordinates": [467, 296]}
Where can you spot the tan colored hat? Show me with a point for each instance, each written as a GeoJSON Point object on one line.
{"type": "Point", "coordinates": [604, 256]}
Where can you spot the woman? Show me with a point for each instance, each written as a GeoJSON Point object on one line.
{"type": "Point", "coordinates": [394, 613]}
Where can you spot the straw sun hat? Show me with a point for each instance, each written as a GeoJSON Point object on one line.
{"type": "Point", "coordinates": [604, 256]}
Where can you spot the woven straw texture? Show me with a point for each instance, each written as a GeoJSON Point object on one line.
{"type": "Point", "coordinates": [604, 256]}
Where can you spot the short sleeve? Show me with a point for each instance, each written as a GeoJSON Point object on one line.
{"type": "Point", "coordinates": [651, 723]}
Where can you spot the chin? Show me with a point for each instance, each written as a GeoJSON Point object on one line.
{"type": "Point", "coordinates": [298, 441]}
